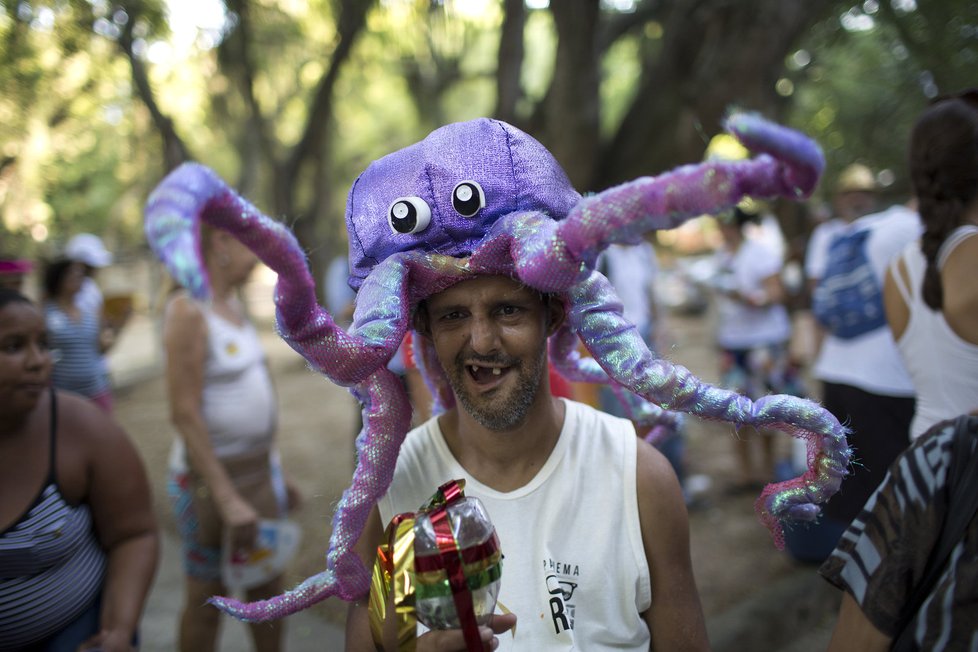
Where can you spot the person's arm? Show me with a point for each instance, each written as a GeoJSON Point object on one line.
{"type": "Point", "coordinates": [897, 312]}
{"type": "Point", "coordinates": [185, 341]}
{"type": "Point", "coordinates": [960, 290]}
{"type": "Point", "coordinates": [119, 497]}
{"type": "Point", "coordinates": [675, 617]}
{"type": "Point", "coordinates": [770, 292]}
{"type": "Point", "coordinates": [853, 631]}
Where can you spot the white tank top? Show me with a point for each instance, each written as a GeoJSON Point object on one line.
{"type": "Point", "coordinates": [943, 366]}
{"type": "Point", "coordinates": [574, 568]}
{"type": "Point", "coordinates": [239, 403]}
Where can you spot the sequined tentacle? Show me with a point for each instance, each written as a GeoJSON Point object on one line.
{"type": "Point", "coordinates": [802, 159]}
{"type": "Point", "coordinates": [624, 213]}
{"type": "Point", "coordinates": [386, 417]}
{"type": "Point", "coordinates": [573, 366]}
{"type": "Point", "coordinates": [627, 359]}
{"type": "Point", "coordinates": [569, 362]}
{"type": "Point", "coordinates": [191, 194]}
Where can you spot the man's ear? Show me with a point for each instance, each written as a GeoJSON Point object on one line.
{"type": "Point", "coordinates": [421, 323]}
{"type": "Point", "coordinates": [556, 314]}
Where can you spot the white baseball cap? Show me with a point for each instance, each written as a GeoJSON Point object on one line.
{"type": "Point", "coordinates": [87, 248]}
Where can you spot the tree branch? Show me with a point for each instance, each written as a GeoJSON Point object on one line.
{"type": "Point", "coordinates": [352, 18]}
{"type": "Point", "coordinates": [174, 150]}
{"type": "Point", "coordinates": [509, 91]}
{"type": "Point", "coordinates": [257, 128]}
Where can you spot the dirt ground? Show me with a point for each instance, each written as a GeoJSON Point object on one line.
{"type": "Point", "coordinates": [733, 554]}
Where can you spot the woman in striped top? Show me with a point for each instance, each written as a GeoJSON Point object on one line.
{"type": "Point", "coordinates": [75, 334]}
{"type": "Point", "coordinates": [78, 540]}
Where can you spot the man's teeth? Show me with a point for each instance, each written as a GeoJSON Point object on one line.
{"type": "Point", "coordinates": [496, 371]}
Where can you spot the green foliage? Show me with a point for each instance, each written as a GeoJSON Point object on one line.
{"type": "Point", "coordinates": [79, 149]}
{"type": "Point", "coordinates": [870, 75]}
{"type": "Point", "coordinates": [859, 92]}
{"type": "Point", "coordinates": [66, 118]}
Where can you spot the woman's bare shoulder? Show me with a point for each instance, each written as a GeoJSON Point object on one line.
{"type": "Point", "coordinates": [83, 420]}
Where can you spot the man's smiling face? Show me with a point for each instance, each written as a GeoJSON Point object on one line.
{"type": "Point", "coordinates": [490, 335]}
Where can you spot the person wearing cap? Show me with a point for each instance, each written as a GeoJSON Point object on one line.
{"type": "Point", "coordinates": [89, 250]}
{"type": "Point", "coordinates": [75, 334]}
{"type": "Point", "coordinates": [864, 381]}
{"type": "Point", "coordinates": [855, 196]}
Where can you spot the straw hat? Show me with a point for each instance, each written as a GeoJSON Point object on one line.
{"type": "Point", "coordinates": [856, 178]}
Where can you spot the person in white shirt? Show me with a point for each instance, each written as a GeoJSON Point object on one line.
{"type": "Point", "coordinates": [752, 332]}
{"type": "Point", "coordinates": [90, 251]}
{"type": "Point", "coordinates": [855, 196]}
{"type": "Point", "coordinates": [590, 518]}
{"type": "Point", "coordinates": [864, 381]}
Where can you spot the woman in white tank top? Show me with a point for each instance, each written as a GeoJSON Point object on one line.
{"type": "Point", "coordinates": [224, 475]}
{"type": "Point", "coordinates": [930, 295]}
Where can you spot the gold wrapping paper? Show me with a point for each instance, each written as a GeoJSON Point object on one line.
{"type": "Point", "coordinates": [392, 582]}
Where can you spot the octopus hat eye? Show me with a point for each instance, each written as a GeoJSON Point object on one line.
{"type": "Point", "coordinates": [409, 215]}
{"type": "Point", "coordinates": [468, 198]}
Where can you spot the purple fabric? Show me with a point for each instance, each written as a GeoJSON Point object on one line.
{"type": "Point", "coordinates": [515, 171]}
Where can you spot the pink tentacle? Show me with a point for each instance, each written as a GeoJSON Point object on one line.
{"type": "Point", "coordinates": [192, 194]}
{"type": "Point", "coordinates": [573, 366]}
{"type": "Point", "coordinates": [626, 358]}
{"type": "Point", "coordinates": [624, 213]}
{"type": "Point", "coordinates": [569, 362]}
{"type": "Point", "coordinates": [386, 418]}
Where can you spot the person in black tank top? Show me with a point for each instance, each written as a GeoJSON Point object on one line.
{"type": "Point", "coordinates": [78, 540]}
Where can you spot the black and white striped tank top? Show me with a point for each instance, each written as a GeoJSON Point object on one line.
{"type": "Point", "coordinates": [51, 564]}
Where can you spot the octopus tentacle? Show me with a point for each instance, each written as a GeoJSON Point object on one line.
{"type": "Point", "coordinates": [192, 194]}
{"type": "Point", "coordinates": [548, 255]}
{"type": "Point", "coordinates": [387, 418]}
{"type": "Point", "coordinates": [573, 366]}
{"type": "Point", "coordinates": [626, 358]}
{"type": "Point", "coordinates": [624, 213]}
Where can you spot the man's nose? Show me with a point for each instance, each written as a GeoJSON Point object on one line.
{"type": "Point", "coordinates": [484, 335]}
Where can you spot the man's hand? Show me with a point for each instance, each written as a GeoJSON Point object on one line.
{"type": "Point", "coordinates": [452, 640]}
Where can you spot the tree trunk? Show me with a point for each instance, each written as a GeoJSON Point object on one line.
{"type": "Point", "coordinates": [571, 129]}
{"type": "Point", "coordinates": [509, 90]}
{"type": "Point", "coordinates": [715, 55]}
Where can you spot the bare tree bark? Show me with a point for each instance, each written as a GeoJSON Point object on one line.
{"type": "Point", "coordinates": [313, 146]}
{"type": "Point", "coordinates": [509, 90]}
{"type": "Point", "coordinates": [572, 127]}
{"type": "Point", "coordinates": [715, 54]}
{"type": "Point", "coordinates": [238, 61]}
